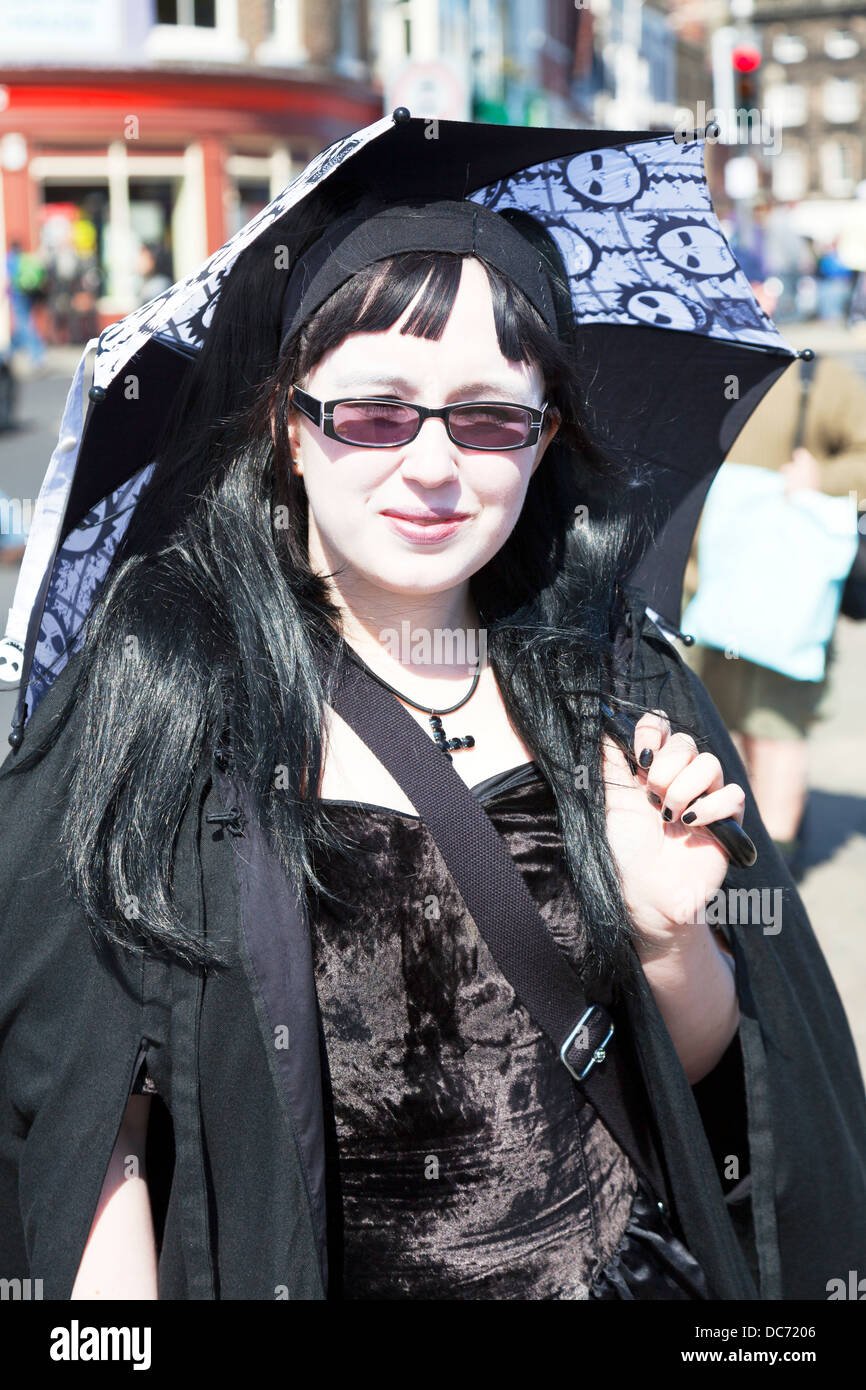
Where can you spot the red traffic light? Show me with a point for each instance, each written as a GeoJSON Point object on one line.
{"type": "Point", "coordinates": [745, 58]}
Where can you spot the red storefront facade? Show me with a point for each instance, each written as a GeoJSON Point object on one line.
{"type": "Point", "coordinates": [175, 159]}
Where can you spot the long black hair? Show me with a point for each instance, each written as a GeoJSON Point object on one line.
{"type": "Point", "coordinates": [230, 623]}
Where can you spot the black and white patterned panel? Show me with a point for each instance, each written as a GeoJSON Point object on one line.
{"type": "Point", "coordinates": [183, 312]}
{"type": "Point", "coordinates": [79, 569]}
{"type": "Point", "coordinates": [640, 239]}
{"type": "Point", "coordinates": [180, 315]}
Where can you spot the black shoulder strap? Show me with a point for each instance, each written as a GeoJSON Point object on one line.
{"type": "Point", "coordinates": [807, 376]}
{"type": "Point", "coordinates": [505, 913]}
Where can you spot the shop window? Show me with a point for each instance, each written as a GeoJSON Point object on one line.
{"type": "Point", "coordinates": [348, 56]}
{"type": "Point", "coordinates": [789, 48]}
{"type": "Point", "coordinates": [790, 175]}
{"type": "Point", "coordinates": [841, 43]}
{"type": "Point", "coordinates": [188, 30]}
{"type": "Point", "coordinates": [788, 104]}
{"type": "Point", "coordinates": [284, 44]}
{"type": "Point", "coordinates": [201, 13]}
{"type": "Point", "coordinates": [840, 167]}
{"type": "Point", "coordinates": [841, 100]}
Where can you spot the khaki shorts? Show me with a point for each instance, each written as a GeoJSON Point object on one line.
{"type": "Point", "coordinates": [754, 700]}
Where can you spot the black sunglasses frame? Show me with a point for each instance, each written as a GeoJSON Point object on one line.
{"type": "Point", "coordinates": [322, 414]}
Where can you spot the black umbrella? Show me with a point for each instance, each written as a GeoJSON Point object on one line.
{"type": "Point", "coordinates": [674, 350]}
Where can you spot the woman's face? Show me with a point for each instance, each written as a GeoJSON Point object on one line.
{"type": "Point", "coordinates": [349, 488]}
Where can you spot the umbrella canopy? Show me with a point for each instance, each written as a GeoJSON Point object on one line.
{"type": "Point", "coordinates": [674, 351]}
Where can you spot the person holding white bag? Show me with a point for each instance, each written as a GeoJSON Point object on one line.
{"type": "Point", "coordinates": [812, 431]}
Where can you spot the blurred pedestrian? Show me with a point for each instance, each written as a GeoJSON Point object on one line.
{"type": "Point", "coordinates": [152, 274]}
{"type": "Point", "coordinates": [85, 320]}
{"type": "Point", "coordinates": [26, 275]}
{"type": "Point", "coordinates": [770, 714]}
{"type": "Point", "coordinates": [835, 284]}
{"type": "Point", "coordinates": [63, 270]}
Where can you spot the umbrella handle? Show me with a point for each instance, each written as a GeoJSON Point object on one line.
{"type": "Point", "coordinates": [739, 847]}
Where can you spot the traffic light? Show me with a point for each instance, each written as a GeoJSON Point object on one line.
{"type": "Point", "coordinates": [746, 64]}
{"type": "Point", "coordinates": [736, 63]}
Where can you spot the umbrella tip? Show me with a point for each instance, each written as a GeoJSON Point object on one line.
{"type": "Point", "coordinates": [401, 115]}
{"type": "Point", "coordinates": [712, 130]}
{"type": "Point", "coordinates": [806, 354]}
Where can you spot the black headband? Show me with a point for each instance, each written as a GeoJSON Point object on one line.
{"type": "Point", "coordinates": [359, 238]}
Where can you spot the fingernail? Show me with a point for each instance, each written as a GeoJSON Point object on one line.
{"type": "Point", "coordinates": [688, 816]}
{"type": "Point", "coordinates": [656, 800]}
{"type": "Point", "coordinates": [646, 757]}
{"type": "Point", "coordinates": [667, 813]}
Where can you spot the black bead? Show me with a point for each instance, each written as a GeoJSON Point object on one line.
{"type": "Point", "coordinates": [97, 393]}
{"type": "Point", "coordinates": [401, 114]}
{"type": "Point", "coordinates": [469, 741]}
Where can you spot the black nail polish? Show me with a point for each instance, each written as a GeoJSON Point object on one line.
{"type": "Point", "coordinates": [688, 816]}
{"type": "Point", "coordinates": [667, 813]}
{"type": "Point", "coordinates": [656, 800]}
{"type": "Point", "coordinates": [646, 757]}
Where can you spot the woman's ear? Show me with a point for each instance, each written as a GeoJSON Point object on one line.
{"type": "Point", "coordinates": [293, 432]}
{"type": "Point", "coordinates": [554, 420]}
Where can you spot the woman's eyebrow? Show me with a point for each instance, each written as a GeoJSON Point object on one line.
{"type": "Point", "coordinates": [396, 383]}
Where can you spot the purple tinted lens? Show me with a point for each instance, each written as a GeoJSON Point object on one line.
{"type": "Point", "coordinates": [383, 425]}
{"type": "Point", "coordinates": [491, 426]}
{"type": "Point", "coordinates": [366, 422]}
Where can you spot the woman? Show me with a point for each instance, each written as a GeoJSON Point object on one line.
{"type": "Point", "coordinates": [459, 1160]}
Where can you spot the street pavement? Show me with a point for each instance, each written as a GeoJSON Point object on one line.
{"type": "Point", "coordinates": [834, 885]}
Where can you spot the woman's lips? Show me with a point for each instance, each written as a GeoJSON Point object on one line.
{"type": "Point", "coordinates": [424, 532]}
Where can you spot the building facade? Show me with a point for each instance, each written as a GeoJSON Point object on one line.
{"type": "Point", "coordinates": [814, 73]}
{"type": "Point", "coordinates": [135, 138]}
{"type": "Point", "coordinates": [137, 135]}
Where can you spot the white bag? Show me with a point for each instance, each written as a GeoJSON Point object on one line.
{"type": "Point", "coordinates": [772, 568]}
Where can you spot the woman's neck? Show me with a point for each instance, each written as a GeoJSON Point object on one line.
{"type": "Point", "coordinates": [416, 641]}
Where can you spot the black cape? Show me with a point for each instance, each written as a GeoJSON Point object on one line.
{"type": "Point", "coordinates": [237, 1141]}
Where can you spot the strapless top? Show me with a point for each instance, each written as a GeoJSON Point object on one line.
{"type": "Point", "coordinates": [463, 1162]}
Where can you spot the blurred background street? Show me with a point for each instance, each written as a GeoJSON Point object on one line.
{"type": "Point", "coordinates": [137, 136]}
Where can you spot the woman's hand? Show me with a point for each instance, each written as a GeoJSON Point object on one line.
{"type": "Point", "coordinates": [668, 872]}
{"type": "Point", "coordinates": [668, 869]}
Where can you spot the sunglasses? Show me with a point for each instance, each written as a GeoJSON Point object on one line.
{"type": "Point", "coordinates": [378, 422]}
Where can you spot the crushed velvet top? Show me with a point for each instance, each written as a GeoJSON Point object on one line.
{"type": "Point", "coordinates": [463, 1161]}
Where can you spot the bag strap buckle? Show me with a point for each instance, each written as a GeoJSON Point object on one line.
{"type": "Point", "coordinates": [579, 1039]}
